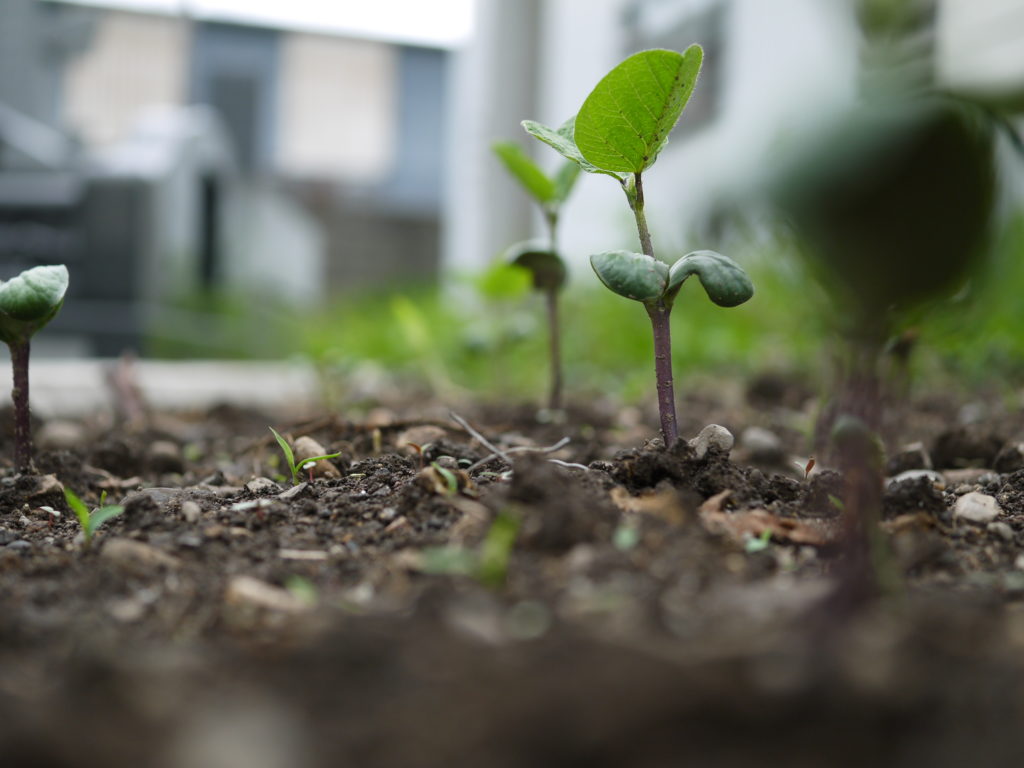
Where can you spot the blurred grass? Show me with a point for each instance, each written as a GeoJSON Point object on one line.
{"type": "Point", "coordinates": [486, 333]}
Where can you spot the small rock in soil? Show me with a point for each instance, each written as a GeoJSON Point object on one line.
{"type": "Point", "coordinates": [136, 557]}
{"type": "Point", "coordinates": [909, 457]}
{"type": "Point", "coordinates": [762, 446]}
{"type": "Point", "coordinates": [251, 592]}
{"type": "Point", "coordinates": [965, 447]}
{"type": "Point", "coordinates": [58, 434]}
{"type": "Point", "coordinates": [976, 507]}
{"type": "Point", "coordinates": [1010, 458]}
{"type": "Point", "coordinates": [19, 545]}
{"type": "Point", "coordinates": [158, 496]}
{"type": "Point", "coordinates": [1000, 530]}
{"type": "Point", "coordinates": [294, 492]}
{"type": "Point", "coordinates": [955, 477]}
{"type": "Point", "coordinates": [259, 485]}
{"type": "Point", "coordinates": [913, 475]}
{"type": "Point", "coordinates": [165, 457]}
{"type": "Point", "coordinates": [712, 439]}
{"type": "Point", "coordinates": [191, 511]}
{"type": "Point", "coordinates": [305, 448]}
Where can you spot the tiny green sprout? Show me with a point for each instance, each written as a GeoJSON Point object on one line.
{"type": "Point", "coordinates": [488, 564]}
{"type": "Point", "coordinates": [91, 521]}
{"type": "Point", "coordinates": [542, 260]}
{"type": "Point", "coordinates": [760, 543]}
{"type": "Point", "coordinates": [289, 457]}
{"type": "Point", "coordinates": [450, 480]}
{"type": "Point", "coordinates": [27, 303]}
{"type": "Point", "coordinates": [619, 131]}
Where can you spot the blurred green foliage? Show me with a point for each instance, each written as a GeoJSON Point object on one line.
{"type": "Point", "coordinates": [484, 334]}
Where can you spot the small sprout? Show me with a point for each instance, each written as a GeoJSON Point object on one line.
{"type": "Point", "coordinates": [289, 456]}
{"type": "Point", "coordinates": [91, 521]}
{"type": "Point", "coordinates": [758, 543]}
{"type": "Point", "coordinates": [450, 480]}
{"type": "Point", "coordinates": [619, 131]}
{"type": "Point", "coordinates": [27, 303]}
{"type": "Point", "coordinates": [302, 589]}
{"type": "Point", "coordinates": [488, 564]}
{"type": "Point", "coordinates": [626, 537]}
{"type": "Point", "coordinates": [542, 261]}
{"type": "Point", "coordinates": [806, 468]}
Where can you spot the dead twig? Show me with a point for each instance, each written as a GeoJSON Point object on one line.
{"type": "Point", "coordinates": [480, 438]}
{"type": "Point", "coordinates": [523, 449]}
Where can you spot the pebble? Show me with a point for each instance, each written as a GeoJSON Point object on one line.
{"type": "Point", "coordinates": [1002, 530]}
{"type": "Point", "coordinates": [976, 507]}
{"type": "Point", "coordinates": [159, 495]}
{"type": "Point", "coordinates": [136, 556]}
{"type": "Point", "coordinates": [1019, 562]}
{"type": "Point", "coordinates": [387, 514]}
{"type": "Point", "coordinates": [47, 485]}
{"type": "Point", "coordinates": [964, 476]}
{"type": "Point", "coordinates": [762, 445]}
{"type": "Point", "coordinates": [713, 438]}
{"type": "Point", "coordinates": [19, 545]}
{"type": "Point", "coordinates": [165, 456]}
{"type": "Point", "coordinates": [910, 457]}
{"type": "Point", "coordinates": [58, 434]}
{"type": "Point", "coordinates": [421, 435]}
{"type": "Point", "coordinates": [260, 485]}
{"type": "Point", "coordinates": [306, 448]}
{"type": "Point", "coordinates": [914, 474]}
{"type": "Point", "coordinates": [191, 511]}
{"type": "Point", "coordinates": [249, 591]}
{"type": "Point", "coordinates": [294, 492]}
{"type": "Point", "coordinates": [1010, 458]}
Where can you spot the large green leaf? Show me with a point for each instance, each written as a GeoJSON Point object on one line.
{"type": "Point", "coordinates": [626, 119]}
{"type": "Point", "coordinates": [633, 275]}
{"type": "Point", "coordinates": [562, 142]}
{"type": "Point", "coordinates": [30, 300]}
{"type": "Point", "coordinates": [726, 283]}
{"type": "Point", "coordinates": [519, 164]}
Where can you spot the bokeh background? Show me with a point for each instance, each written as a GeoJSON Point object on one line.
{"type": "Point", "coordinates": [314, 180]}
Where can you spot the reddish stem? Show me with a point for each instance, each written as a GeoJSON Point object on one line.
{"type": "Point", "coordinates": [659, 314]}
{"type": "Point", "coordinates": [555, 398]}
{"type": "Point", "coordinates": [19, 395]}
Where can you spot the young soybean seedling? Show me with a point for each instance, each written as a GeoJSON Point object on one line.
{"type": "Point", "coordinates": [27, 303]}
{"type": "Point", "coordinates": [91, 521]}
{"type": "Point", "coordinates": [543, 262]}
{"type": "Point", "coordinates": [619, 131]}
{"type": "Point", "coordinates": [289, 456]}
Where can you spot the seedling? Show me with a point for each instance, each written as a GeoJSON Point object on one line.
{"type": "Point", "coordinates": [543, 262]}
{"type": "Point", "coordinates": [619, 131]}
{"type": "Point", "coordinates": [27, 303]}
{"type": "Point", "coordinates": [289, 457]}
{"type": "Point", "coordinates": [488, 564]}
{"type": "Point", "coordinates": [91, 521]}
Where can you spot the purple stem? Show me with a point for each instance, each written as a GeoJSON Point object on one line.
{"type": "Point", "coordinates": [659, 315]}
{"type": "Point", "coordinates": [555, 398]}
{"type": "Point", "coordinates": [19, 395]}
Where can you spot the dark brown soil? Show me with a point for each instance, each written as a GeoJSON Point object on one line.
{"type": "Point", "coordinates": [645, 618]}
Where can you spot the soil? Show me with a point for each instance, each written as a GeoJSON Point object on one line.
{"type": "Point", "coordinates": [659, 607]}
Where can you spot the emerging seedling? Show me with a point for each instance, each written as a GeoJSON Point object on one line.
{"type": "Point", "coordinates": [619, 131]}
{"type": "Point", "coordinates": [289, 456]}
{"type": "Point", "coordinates": [27, 303]}
{"type": "Point", "coordinates": [543, 262]}
{"type": "Point", "coordinates": [91, 521]}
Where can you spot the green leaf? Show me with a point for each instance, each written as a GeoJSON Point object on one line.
{"type": "Point", "coordinates": [496, 550]}
{"type": "Point", "coordinates": [103, 514]}
{"type": "Point", "coordinates": [562, 142]}
{"type": "Point", "coordinates": [31, 300]}
{"type": "Point", "coordinates": [78, 507]}
{"type": "Point", "coordinates": [726, 283]}
{"type": "Point", "coordinates": [502, 281]}
{"type": "Point", "coordinates": [288, 455]}
{"type": "Point", "coordinates": [450, 480]}
{"type": "Point", "coordinates": [633, 275]}
{"type": "Point", "coordinates": [565, 179]}
{"type": "Point", "coordinates": [626, 119]}
{"type": "Point", "coordinates": [546, 268]}
{"type": "Point", "coordinates": [525, 171]}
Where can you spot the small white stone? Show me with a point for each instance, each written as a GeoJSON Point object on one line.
{"type": "Point", "coordinates": [914, 474]}
{"type": "Point", "coordinates": [712, 438]}
{"type": "Point", "coordinates": [262, 485]}
{"type": "Point", "coordinates": [1001, 529]}
{"type": "Point", "coordinates": [761, 444]}
{"type": "Point", "coordinates": [976, 507]}
{"type": "Point", "coordinates": [190, 511]}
